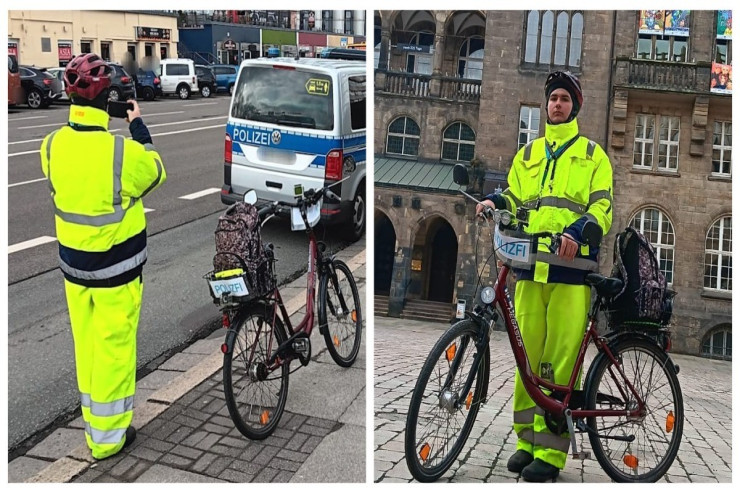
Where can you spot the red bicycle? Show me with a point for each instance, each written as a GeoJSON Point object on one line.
{"type": "Point", "coordinates": [258, 350]}
{"type": "Point", "coordinates": [631, 406]}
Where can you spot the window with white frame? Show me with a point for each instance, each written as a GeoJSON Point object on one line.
{"type": "Point", "coordinates": [403, 137]}
{"type": "Point", "coordinates": [458, 142]}
{"type": "Point", "coordinates": [666, 140]}
{"type": "Point", "coordinates": [722, 149]}
{"type": "Point", "coordinates": [421, 62]}
{"type": "Point", "coordinates": [718, 255]}
{"type": "Point", "coordinates": [658, 229]}
{"type": "Point", "coordinates": [529, 124]}
{"type": "Point", "coordinates": [553, 39]}
{"type": "Point", "coordinates": [470, 61]}
{"type": "Point", "coordinates": [718, 343]}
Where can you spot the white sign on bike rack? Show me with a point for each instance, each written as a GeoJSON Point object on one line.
{"type": "Point", "coordinates": [516, 249]}
{"type": "Point", "coordinates": [235, 286]}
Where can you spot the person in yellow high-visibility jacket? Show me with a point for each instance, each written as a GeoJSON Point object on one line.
{"type": "Point", "coordinates": [97, 180]}
{"type": "Point", "coordinates": [565, 180]}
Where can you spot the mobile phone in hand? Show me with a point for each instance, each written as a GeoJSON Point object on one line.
{"type": "Point", "coordinates": [117, 109]}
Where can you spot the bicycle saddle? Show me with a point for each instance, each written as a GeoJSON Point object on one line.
{"type": "Point", "coordinates": [605, 286]}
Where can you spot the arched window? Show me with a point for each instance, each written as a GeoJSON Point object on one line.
{"type": "Point", "coordinates": [403, 137]}
{"type": "Point", "coordinates": [421, 62]}
{"type": "Point", "coordinates": [658, 229]}
{"type": "Point", "coordinates": [533, 28]}
{"type": "Point", "coordinates": [718, 343]}
{"type": "Point", "coordinates": [458, 142]}
{"type": "Point", "coordinates": [718, 255]}
{"type": "Point", "coordinates": [554, 38]}
{"type": "Point", "coordinates": [470, 62]}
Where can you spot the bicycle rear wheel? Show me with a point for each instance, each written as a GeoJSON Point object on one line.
{"type": "Point", "coordinates": [254, 397]}
{"type": "Point", "coordinates": [436, 429]}
{"type": "Point", "coordinates": [341, 319]}
{"type": "Point", "coordinates": [657, 433]}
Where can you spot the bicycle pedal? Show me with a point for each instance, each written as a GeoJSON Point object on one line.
{"type": "Point", "coordinates": [581, 455]}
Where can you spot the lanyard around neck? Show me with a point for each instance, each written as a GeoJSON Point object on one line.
{"type": "Point", "coordinates": [552, 157]}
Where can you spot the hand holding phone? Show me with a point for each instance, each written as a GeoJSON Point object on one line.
{"type": "Point", "coordinates": [119, 109]}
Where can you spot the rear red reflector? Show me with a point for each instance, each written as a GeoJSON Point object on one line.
{"type": "Point", "coordinates": [330, 212]}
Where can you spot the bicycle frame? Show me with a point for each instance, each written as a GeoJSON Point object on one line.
{"type": "Point", "coordinates": [534, 384]}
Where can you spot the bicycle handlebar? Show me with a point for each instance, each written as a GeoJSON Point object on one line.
{"type": "Point", "coordinates": [310, 197]}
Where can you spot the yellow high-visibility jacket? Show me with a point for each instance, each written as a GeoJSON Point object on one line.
{"type": "Point", "coordinates": [97, 180]}
{"type": "Point", "coordinates": [563, 187]}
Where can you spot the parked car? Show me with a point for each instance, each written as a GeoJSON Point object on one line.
{"type": "Point", "coordinates": [41, 88]}
{"type": "Point", "coordinates": [122, 87]}
{"type": "Point", "coordinates": [225, 77]}
{"type": "Point", "coordinates": [148, 84]}
{"type": "Point", "coordinates": [15, 92]}
{"type": "Point", "coordinates": [206, 80]}
{"type": "Point", "coordinates": [178, 77]}
{"type": "Point", "coordinates": [58, 72]}
{"type": "Point", "coordinates": [311, 135]}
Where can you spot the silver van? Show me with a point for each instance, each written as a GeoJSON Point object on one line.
{"type": "Point", "coordinates": [299, 122]}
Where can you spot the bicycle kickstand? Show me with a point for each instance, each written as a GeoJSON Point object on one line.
{"type": "Point", "coordinates": [573, 446]}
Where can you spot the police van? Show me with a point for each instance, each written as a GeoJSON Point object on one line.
{"type": "Point", "coordinates": [299, 122]}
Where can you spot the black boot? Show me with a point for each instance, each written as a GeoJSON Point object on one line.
{"type": "Point", "coordinates": [130, 437]}
{"type": "Point", "coordinates": [519, 461]}
{"type": "Point", "coordinates": [540, 471]}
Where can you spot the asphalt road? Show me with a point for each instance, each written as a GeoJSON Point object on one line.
{"type": "Point", "coordinates": [189, 136]}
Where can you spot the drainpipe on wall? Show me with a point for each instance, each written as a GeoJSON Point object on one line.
{"type": "Point", "coordinates": [610, 97]}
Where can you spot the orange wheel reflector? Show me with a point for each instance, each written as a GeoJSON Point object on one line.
{"type": "Point", "coordinates": [450, 352]}
{"type": "Point", "coordinates": [336, 341]}
{"type": "Point", "coordinates": [670, 420]}
{"type": "Point", "coordinates": [264, 417]}
{"type": "Point", "coordinates": [630, 461]}
{"type": "Point", "coordinates": [424, 452]}
{"type": "Point", "coordinates": [354, 316]}
{"type": "Point", "coordinates": [469, 400]}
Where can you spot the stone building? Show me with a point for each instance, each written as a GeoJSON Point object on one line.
{"type": "Point", "coordinates": [467, 86]}
{"type": "Point", "coordinates": [50, 38]}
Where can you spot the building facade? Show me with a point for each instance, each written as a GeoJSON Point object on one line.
{"type": "Point", "coordinates": [50, 38]}
{"type": "Point", "coordinates": [467, 86]}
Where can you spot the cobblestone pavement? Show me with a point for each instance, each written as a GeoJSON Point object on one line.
{"type": "Point", "coordinates": [185, 433]}
{"type": "Point", "coordinates": [401, 346]}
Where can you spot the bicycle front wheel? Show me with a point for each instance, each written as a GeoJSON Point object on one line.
{"type": "Point", "coordinates": [636, 448]}
{"type": "Point", "coordinates": [340, 314]}
{"type": "Point", "coordinates": [255, 397]}
{"type": "Point", "coordinates": [440, 417]}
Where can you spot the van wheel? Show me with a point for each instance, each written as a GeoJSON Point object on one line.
{"type": "Point", "coordinates": [205, 91]}
{"type": "Point", "coordinates": [148, 93]}
{"type": "Point", "coordinates": [356, 227]}
{"type": "Point", "coordinates": [231, 89]}
{"type": "Point", "coordinates": [183, 91]}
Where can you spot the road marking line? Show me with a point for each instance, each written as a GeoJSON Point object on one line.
{"type": "Point", "coordinates": [25, 182]}
{"type": "Point", "coordinates": [188, 130]}
{"type": "Point", "coordinates": [64, 123]}
{"type": "Point", "coordinates": [189, 121]}
{"type": "Point", "coordinates": [202, 193]}
{"type": "Point", "coordinates": [198, 104]}
{"type": "Point", "coordinates": [24, 152]}
{"type": "Point", "coordinates": [148, 210]}
{"type": "Point", "coordinates": [28, 118]}
{"type": "Point", "coordinates": [30, 244]}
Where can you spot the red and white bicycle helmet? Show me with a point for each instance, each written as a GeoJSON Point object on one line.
{"type": "Point", "coordinates": [86, 76]}
{"type": "Point", "coordinates": [569, 82]}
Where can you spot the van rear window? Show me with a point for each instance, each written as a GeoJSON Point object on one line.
{"type": "Point", "coordinates": [294, 98]}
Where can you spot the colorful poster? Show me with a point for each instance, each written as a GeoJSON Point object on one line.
{"type": "Point", "coordinates": [651, 21]}
{"type": "Point", "coordinates": [721, 81]}
{"type": "Point", "coordinates": [724, 24]}
{"type": "Point", "coordinates": [676, 22]}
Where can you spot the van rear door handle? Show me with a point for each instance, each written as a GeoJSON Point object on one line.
{"type": "Point", "coordinates": [273, 184]}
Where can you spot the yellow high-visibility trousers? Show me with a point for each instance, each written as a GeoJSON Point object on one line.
{"type": "Point", "coordinates": [552, 319]}
{"type": "Point", "coordinates": [104, 323]}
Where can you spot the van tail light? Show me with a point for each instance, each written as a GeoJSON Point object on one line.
{"type": "Point", "coordinates": [193, 79]}
{"type": "Point", "coordinates": [333, 165]}
{"type": "Point", "coordinates": [125, 80]}
{"type": "Point", "coordinates": [47, 82]}
{"type": "Point", "coordinates": [227, 149]}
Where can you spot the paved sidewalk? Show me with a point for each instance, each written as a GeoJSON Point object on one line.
{"type": "Point", "coordinates": [401, 346]}
{"type": "Point", "coordinates": [185, 434]}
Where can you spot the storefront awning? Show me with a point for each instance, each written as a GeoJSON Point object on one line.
{"type": "Point", "coordinates": [415, 175]}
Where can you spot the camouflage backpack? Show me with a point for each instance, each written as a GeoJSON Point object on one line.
{"type": "Point", "coordinates": [238, 238]}
{"type": "Point", "coordinates": [645, 300]}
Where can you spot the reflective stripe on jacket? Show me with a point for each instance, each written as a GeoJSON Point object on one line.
{"type": "Point", "coordinates": [577, 187]}
{"type": "Point", "coordinates": [96, 180]}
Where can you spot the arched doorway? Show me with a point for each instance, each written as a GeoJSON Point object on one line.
{"type": "Point", "coordinates": [442, 264]}
{"type": "Point", "coordinates": [385, 248]}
